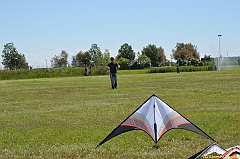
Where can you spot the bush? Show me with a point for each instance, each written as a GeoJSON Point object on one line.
{"type": "Point", "coordinates": [135, 66]}
{"type": "Point", "coordinates": [41, 73]}
{"type": "Point", "coordinates": [50, 72]}
{"type": "Point", "coordinates": [182, 69]}
{"type": "Point", "coordinates": [212, 67]}
{"type": "Point", "coordinates": [162, 70]}
{"type": "Point", "coordinates": [123, 62]}
{"type": "Point", "coordinates": [143, 61]}
{"type": "Point", "coordinates": [207, 63]}
{"type": "Point", "coordinates": [101, 70]}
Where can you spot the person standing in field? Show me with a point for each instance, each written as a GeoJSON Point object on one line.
{"type": "Point", "coordinates": [85, 71]}
{"type": "Point", "coordinates": [178, 69]}
{"type": "Point", "coordinates": [112, 66]}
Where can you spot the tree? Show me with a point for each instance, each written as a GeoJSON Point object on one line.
{"type": "Point", "coordinates": [55, 61]}
{"type": "Point", "coordinates": [12, 59]}
{"type": "Point", "coordinates": [123, 62]}
{"type": "Point", "coordinates": [101, 59]}
{"type": "Point", "coordinates": [106, 57]}
{"type": "Point", "coordinates": [97, 57]}
{"type": "Point", "coordinates": [143, 61]}
{"type": "Point", "coordinates": [82, 59]}
{"type": "Point", "coordinates": [74, 61]}
{"type": "Point", "coordinates": [100, 62]}
{"type": "Point", "coordinates": [155, 54]}
{"type": "Point", "coordinates": [161, 57]}
{"type": "Point", "coordinates": [126, 52]}
{"type": "Point", "coordinates": [60, 60]}
{"type": "Point", "coordinates": [64, 59]}
{"type": "Point", "coordinates": [151, 51]}
{"type": "Point", "coordinates": [185, 51]}
{"type": "Point", "coordinates": [22, 62]}
{"type": "Point", "coordinates": [93, 51]}
{"type": "Point", "coordinates": [207, 56]}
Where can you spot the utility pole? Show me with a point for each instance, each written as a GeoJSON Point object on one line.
{"type": "Point", "coordinates": [219, 52]}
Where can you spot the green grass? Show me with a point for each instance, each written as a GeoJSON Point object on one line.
{"type": "Point", "coordinates": [232, 67]}
{"type": "Point", "coordinates": [67, 117]}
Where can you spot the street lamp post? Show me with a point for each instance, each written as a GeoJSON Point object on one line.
{"type": "Point", "coordinates": [219, 52]}
{"type": "Point", "coordinates": [46, 63]}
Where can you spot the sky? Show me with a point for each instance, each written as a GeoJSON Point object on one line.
{"type": "Point", "coordinates": [41, 29]}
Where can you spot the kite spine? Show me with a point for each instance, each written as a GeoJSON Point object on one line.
{"type": "Point", "coordinates": [155, 125]}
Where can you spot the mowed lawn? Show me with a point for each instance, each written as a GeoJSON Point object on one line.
{"type": "Point", "coordinates": [69, 117]}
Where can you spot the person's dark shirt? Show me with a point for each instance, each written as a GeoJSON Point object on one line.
{"type": "Point", "coordinates": [113, 67]}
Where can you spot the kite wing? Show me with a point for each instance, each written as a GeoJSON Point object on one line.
{"type": "Point", "coordinates": [208, 151]}
{"type": "Point", "coordinates": [155, 118]}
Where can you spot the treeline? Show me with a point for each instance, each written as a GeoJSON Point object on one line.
{"type": "Point", "coordinates": [150, 56]}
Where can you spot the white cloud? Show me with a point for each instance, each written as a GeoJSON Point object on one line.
{"type": "Point", "coordinates": [37, 59]}
{"type": "Point", "coordinates": [113, 52]}
{"type": "Point", "coordinates": [237, 50]}
{"type": "Point", "coordinates": [76, 50]}
{"type": "Point", "coordinates": [235, 53]}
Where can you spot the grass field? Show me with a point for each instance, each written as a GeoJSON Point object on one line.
{"type": "Point", "coordinates": [68, 117]}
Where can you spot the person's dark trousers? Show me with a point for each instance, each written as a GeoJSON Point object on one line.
{"type": "Point", "coordinates": [113, 77]}
{"type": "Point", "coordinates": [178, 70]}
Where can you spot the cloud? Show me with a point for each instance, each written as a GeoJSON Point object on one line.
{"type": "Point", "coordinates": [113, 52]}
{"type": "Point", "coordinates": [237, 50]}
{"type": "Point", "coordinates": [32, 49]}
{"type": "Point", "coordinates": [76, 50]}
{"type": "Point", "coordinates": [37, 58]}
